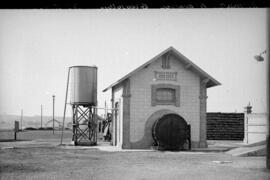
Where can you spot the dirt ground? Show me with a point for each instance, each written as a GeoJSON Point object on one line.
{"type": "Point", "coordinates": [61, 163]}
{"type": "Point", "coordinates": [19, 160]}
{"type": "Point", "coordinates": [33, 135]}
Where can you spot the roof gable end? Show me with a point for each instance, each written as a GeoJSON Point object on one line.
{"type": "Point", "coordinates": [210, 81]}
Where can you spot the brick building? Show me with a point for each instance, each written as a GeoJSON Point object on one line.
{"type": "Point", "coordinates": [168, 83]}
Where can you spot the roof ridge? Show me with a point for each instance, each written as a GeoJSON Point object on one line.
{"type": "Point", "coordinates": [182, 57]}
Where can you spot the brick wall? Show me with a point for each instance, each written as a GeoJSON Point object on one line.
{"type": "Point", "coordinates": [225, 126]}
{"type": "Point", "coordinates": [140, 101]}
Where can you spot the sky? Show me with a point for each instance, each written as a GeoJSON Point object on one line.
{"type": "Point", "coordinates": [38, 46]}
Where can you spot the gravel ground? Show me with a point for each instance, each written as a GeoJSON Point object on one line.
{"type": "Point", "coordinates": [33, 135]}
{"type": "Point", "coordinates": [40, 157]}
{"type": "Point", "coordinates": [64, 163]}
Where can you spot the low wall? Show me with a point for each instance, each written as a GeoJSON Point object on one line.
{"type": "Point", "coordinates": [225, 126]}
{"type": "Point", "coordinates": [255, 127]}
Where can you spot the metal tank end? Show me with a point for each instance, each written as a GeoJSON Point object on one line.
{"type": "Point", "coordinates": [78, 66]}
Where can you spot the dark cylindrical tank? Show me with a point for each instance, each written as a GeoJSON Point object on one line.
{"type": "Point", "coordinates": [83, 85]}
{"type": "Point", "coordinates": [170, 132]}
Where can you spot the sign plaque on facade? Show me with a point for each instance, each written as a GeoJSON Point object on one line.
{"type": "Point", "coordinates": [167, 76]}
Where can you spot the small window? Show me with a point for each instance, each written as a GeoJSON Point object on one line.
{"type": "Point", "coordinates": [165, 94]}
{"type": "Point", "coordinates": [166, 62]}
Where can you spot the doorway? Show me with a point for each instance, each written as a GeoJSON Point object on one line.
{"type": "Point", "coordinates": [118, 124]}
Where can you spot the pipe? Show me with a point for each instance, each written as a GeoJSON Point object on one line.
{"type": "Point", "coordinates": [63, 123]}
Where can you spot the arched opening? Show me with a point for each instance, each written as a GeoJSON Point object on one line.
{"type": "Point", "coordinates": [171, 132]}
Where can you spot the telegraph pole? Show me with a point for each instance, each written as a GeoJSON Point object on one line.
{"type": "Point", "coordinates": [268, 102]}
{"type": "Point", "coordinates": [41, 116]}
{"type": "Point", "coordinates": [260, 58]}
{"type": "Point", "coordinates": [21, 118]}
{"type": "Point", "coordinates": [53, 112]}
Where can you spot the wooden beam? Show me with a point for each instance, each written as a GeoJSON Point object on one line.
{"type": "Point", "coordinates": [205, 80]}
{"type": "Point", "coordinates": [168, 55]}
{"type": "Point", "coordinates": [188, 66]}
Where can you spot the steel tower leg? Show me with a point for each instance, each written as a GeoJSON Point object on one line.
{"type": "Point", "coordinates": [84, 125]}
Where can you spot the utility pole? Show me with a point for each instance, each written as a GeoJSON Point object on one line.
{"type": "Point", "coordinates": [268, 103]}
{"type": "Point", "coordinates": [21, 118]}
{"type": "Point", "coordinates": [41, 116]}
{"type": "Point", "coordinates": [268, 97]}
{"type": "Point", "coordinates": [53, 112]}
{"type": "Point", "coordinates": [105, 110]}
{"type": "Point", "coordinates": [260, 58]}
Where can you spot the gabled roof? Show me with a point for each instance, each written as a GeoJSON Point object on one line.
{"type": "Point", "coordinates": [54, 121]}
{"type": "Point", "coordinates": [208, 79]}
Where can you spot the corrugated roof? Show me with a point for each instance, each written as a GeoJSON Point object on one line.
{"type": "Point", "coordinates": [211, 81]}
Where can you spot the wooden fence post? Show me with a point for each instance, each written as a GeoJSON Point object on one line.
{"type": "Point", "coordinates": [16, 129]}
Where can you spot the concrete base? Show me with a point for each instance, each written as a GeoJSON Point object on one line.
{"type": "Point", "coordinates": [202, 144]}
{"type": "Point", "coordinates": [126, 146]}
{"type": "Point", "coordinates": [248, 151]}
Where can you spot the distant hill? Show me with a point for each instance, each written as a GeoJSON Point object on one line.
{"type": "Point", "coordinates": [7, 121]}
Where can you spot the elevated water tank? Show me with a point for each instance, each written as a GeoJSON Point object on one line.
{"type": "Point", "coordinates": [170, 132]}
{"type": "Point", "coordinates": [83, 85]}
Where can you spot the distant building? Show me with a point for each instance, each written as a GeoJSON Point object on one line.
{"type": "Point", "coordinates": [98, 118]}
{"type": "Point", "coordinates": [57, 124]}
{"type": "Point", "coordinates": [167, 84]}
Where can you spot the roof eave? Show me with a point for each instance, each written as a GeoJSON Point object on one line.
{"type": "Point", "coordinates": [139, 68]}
{"type": "Point", "coordinates": [201, 72]}
{"type": "Point", "coordinates": [212, 83]}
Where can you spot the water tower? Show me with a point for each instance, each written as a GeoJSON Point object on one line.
{"type": "Point", "coordinates": [83, 99]}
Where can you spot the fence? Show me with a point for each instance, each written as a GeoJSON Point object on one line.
{"type": "Point", "coordinates": [7, 134]}
{"type": "Point", "coordinates": [255, 127]}
{"type": "Point", "coordinates": [225, 126]}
